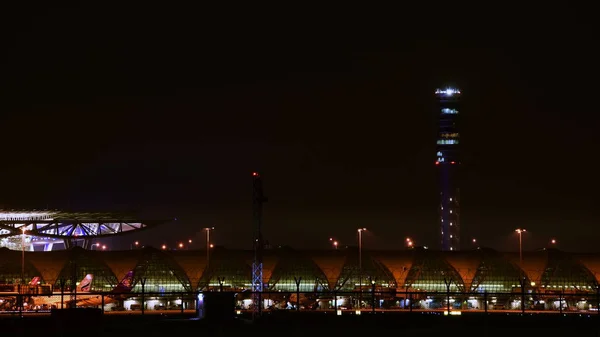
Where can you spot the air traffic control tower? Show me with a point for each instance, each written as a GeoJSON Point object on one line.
{"type": "Point", "coordinates": [448, 164]}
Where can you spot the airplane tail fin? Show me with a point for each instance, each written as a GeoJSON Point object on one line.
{"type": "Point", "coordinates": [35, 281]}
{"type": "Point", "coordinates": [126, 284]}
{"type": "Point", "coordinates": [86, 284]}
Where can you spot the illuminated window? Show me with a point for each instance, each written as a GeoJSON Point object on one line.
{"type": "Point", "coordinates": [161, 272]}
{"type": "Point", "coordinates": [230, 268]}
{"type": "Point", "coordinates": [439, 154]}
{"type": "Point", "coordinates": [447, 141]}
{"type": "Point", "coordinates": [495, 274]}
{"type": "Point", "coordinates": [297, 267]}
{"type": "Point", "coordinates": [10, 272]}
{"type": "Point", "coordinates": [350, 276]}
{"type": "Point", "coordinates": [430, 272]}
{"type": "Point", "coordinates": [449, 135]}
{"type": "Point", "coordinates": [81, 263]}
{"type": "Point", "coordinates": [562, 271]}
{"type": "Point", "coordinates": [447, 111]}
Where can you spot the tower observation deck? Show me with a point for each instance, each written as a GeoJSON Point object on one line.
{"type": "Point", "coordinates": [448, 163]}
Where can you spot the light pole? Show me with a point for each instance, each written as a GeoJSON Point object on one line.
{"type": "Point", "coordinates": [520, 231]}
{"type": "Point", "coordinates": [23, 255]}
{"type": "Point", "coordinates": [360, 271]}
{"type": "Point", "coordinates": [208, 229]}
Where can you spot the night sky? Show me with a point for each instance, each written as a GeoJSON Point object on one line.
{"type": "Point", "coordinates": [167, 111]}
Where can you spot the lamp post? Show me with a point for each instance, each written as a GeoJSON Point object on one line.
{"type": "Point", "coordinates": [360, 271]}
{"type": "Point", "coordinates": [520, 231]}
{"type": "Point", "coordinates": [23, 255]}
{"type": "Point", "coordinates": [208, 229]}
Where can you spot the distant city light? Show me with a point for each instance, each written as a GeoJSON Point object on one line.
{"type": "Point", "coordinates": [448, 91]}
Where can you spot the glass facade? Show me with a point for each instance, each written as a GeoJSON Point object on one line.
{"type": "Point", "coordinates": [563, 273]}
{"type": "Point", "coordinates": [80, 263]}
{"type": "Point", "coordinates": [496, 274]}
{"type": "Point", "coordinates": [160, 272]}
{"type": "Point", "coordinates": [228, 270]}
{"type": "Point", "coordinates": [430, 272]}
{"type": "Point", "coordinates": [10, 272]}
{"type": "Point", "coordinates": [295, 266]}
{"type": "Point", "coordinates": [426, 271]}
{"type": "Point", "coordinates": [372, 270]}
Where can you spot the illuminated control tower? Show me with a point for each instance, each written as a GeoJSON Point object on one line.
{"type": "Point", "coordinates": [448, 163]}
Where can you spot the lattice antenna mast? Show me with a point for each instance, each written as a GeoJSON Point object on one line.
{"type": "Point", "coordinates": [257, 267]}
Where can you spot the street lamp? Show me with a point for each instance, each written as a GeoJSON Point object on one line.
{"type": "Point", "coordinates": [23, 255]}
{"type": "Point", "coordinates": [208, 245]}
{"type": "Point", "coordinates": [520, 231]}
{"type": "Point", "coordinates": [360, 271]}
{"type": "Point", "coordinates": [334, 243]}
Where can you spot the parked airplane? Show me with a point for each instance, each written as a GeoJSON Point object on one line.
{"type": "Point", "coordinates": [13, 289]}
{"type": "Point", "coordinates": [82, 297]}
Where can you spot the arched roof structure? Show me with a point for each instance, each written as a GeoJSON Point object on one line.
{"type": "Point", "coordinates": [327, 270]}
{"type": "Point", "coordinates": [67, 225]}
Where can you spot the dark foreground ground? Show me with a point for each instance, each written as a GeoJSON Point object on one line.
{"type": "Point", "coordinates": [308, 325]}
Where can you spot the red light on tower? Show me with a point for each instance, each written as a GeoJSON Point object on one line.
{"type": "Point", "coordinates": [255, 174]}
{"type": "Point", "coordinates": [452, 162]}
{"type": "Point", "coordinates": [437, 162]}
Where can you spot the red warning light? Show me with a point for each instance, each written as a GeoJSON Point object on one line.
{"type": "Point", "coordinates": [452, 162]}
{"type": "Point", "coordinates": [255, 174]}
{"type": "Point", "coordinates": [437, 162]}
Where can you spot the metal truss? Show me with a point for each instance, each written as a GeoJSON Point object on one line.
{"type": "Point", "coordinates": [62, 225]}
{"type": "Point", "coordinates": [257, 287]}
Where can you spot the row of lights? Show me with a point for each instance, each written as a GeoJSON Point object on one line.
{"type": "Point", "coordinates": [334, 243]}
{"type": "Point", "coordinates": [181, 245]}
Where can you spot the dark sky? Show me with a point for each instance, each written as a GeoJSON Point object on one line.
{"type": "Point", "coordinates": [168, 110]}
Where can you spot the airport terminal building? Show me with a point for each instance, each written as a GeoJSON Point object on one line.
{"type": "Point", "coordinates": [395, 276]}
{"type": "Point", "coordinates": [415, 270]}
